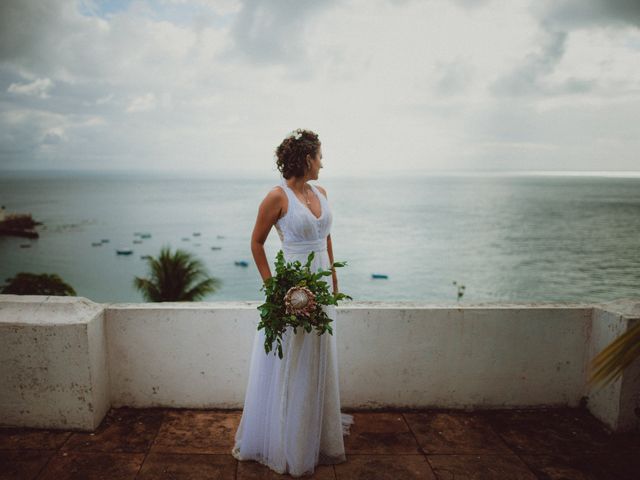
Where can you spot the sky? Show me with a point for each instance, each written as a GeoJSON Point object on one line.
{"type": "Point", "coordinates": [389, 85]}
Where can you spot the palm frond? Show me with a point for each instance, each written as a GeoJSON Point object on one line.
{"type": "Point", "coordinates": [208, 285]}
{"type": "Point", "coordinates": [172, 277]}
{"type": "Point", "coordinates": [614, 358]}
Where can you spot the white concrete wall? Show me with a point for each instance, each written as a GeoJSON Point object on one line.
{"type": "Point", "coordinates": [180, 354]}
{"type": "Point", "coordinates": [615, 404]}
{"type": "Point", "coordinates": [390, 355]}
{"type": "Point", "coordinates": [471, 357]}
{"type": "Point", "coordinates": [401, 356]}
{"type": "Point", "coordinates": [51, 373]}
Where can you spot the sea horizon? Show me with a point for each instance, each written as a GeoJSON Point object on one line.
{"type": "Point", "coordinates": [508, 237]}
{"type": "Point", "coordinates": [235, 174]}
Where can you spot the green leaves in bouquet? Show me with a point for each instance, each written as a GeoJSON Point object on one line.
{"type": "Point", "coordinates": [274, 318]}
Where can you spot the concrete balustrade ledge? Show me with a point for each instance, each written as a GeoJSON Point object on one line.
{"type": "Point", "coordinates": [65, 361]}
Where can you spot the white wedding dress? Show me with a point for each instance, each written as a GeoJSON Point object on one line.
{"type": "Point", "coordinates": [291, 420]}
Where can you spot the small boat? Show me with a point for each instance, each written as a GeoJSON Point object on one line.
{"type": "Point", "coordinates": [144, 257]}
{"type": "Point", "coordinates": [185, 239]}
{"type": "Point", "coordinates": [379, 275]}
{"type": "Point", "coordinates": [105, 240]}
{"type": "Point", "coordinates": [96, 244]}
{"type": "Point", "coordinates": [241, 263]}
{"type": "Point", "coordinates": [216, 248]}
{"type": "Point", "coordinates": [145, 235]}
{"type": "Point", "coordinates": [137, 241]}
{"type": "Point", "coordinates": [196, 234]}
{"type": "Point", "coordinates": [124, 251]}
{"type": "Point", "coordinates": [220, 236]}
{"type": "Point", "coordinates": [25, 245]}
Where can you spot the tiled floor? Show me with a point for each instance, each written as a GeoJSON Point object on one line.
{"type": "Point", "coordinates": [426, 444]}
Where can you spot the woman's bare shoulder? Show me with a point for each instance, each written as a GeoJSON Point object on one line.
{"type": "Point", "coordinates": [277, 193]}
{"type": "Point", "coordinates": [277, 190]}
{"type": "Point", "coordinates": [324, 192]}
{"type": "Point", "coordinates": [277, 198]}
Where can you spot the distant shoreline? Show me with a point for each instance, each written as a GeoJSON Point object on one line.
{"type": "Point", "coordinates": [210, 175]}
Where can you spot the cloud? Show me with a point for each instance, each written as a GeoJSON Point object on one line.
{"type": "Point", "coordinates": [142, 103]}
{"type": "Point", "coordinates": [571, 14]}
{"type": "Point", "coordinates": [273, 32]}
{"type": "Point", "coordinates": [573, 24]}
{"type": "Point", "coordinates": [531, 76]}
{"type": "Point", "coordinates": [454, 77]}
{"type": "Point", "coordinates": [34, 35]}
{"type": "Point", "coordinates": [38, 88]}
{"type": "Point", "coordinates": [106, 99]}
{"type": "Point", "coordinates": [388, 85]}
{"type": "Point", "coordinates": [54, 136]}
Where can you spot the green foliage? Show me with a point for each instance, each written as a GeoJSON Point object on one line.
{"type": "Point", "coordinates": [38, 284]}
{"type": "Point", "coordinates": [177, 277]}
{"type": "Point", "coordinates": [19, 221]}
{"type": "Point", "coordinates": [273, 315]}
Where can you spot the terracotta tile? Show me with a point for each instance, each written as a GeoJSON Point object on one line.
{"type": "Point", "coordinates": [379, 422]}
{"type": "Point", "coordinates": [627, 442]}
{"type": "Point", "coordinates": [605, 466]}
{"type": "Point", "coordinates": [549, 431]}
{"type": "Point", "coordinates": [31, 438]}
{"type": "Point", "coordinates": [122, 430]}
{"type": "Point", "coordinates": [624, 466]}
{"type": "Point", "coordinates": [188, 467]}
{"type": "Point", "coordinates": [197, 431]}
{"type": "Point", "coordinates": [384, 467]}
{"type": "Point", "coordinates": [189, 443]}
{"type": "Point", "coordinates": [554, 467]}
{"type": "Point", "coordinates": [480, 467]}
{"type": "Point", "coordinates": [250, 470]}
{"type": "Point", "coordinates": [380, 433]}
{"type": "Point", "coordinates": [22, 464]}
{"type": "Point", "coordinates": [461, 433]}
{"type": "Point", "coordinates": [92, 466]}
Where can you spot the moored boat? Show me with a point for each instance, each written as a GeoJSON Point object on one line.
{"type": "Point", "coordinates": [379, 275]}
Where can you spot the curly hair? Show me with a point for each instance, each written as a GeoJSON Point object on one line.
{"type": "Point", "coordinates": [292, 153]}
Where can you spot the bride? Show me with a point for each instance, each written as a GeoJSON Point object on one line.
{"type": "Point", "coordinates": [291, 420]}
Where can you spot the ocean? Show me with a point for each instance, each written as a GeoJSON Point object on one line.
{"type": "Point", "coordinates": [505, 237]}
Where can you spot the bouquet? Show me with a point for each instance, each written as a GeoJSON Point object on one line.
{"type": "Point", "coordinates": [295, 297]}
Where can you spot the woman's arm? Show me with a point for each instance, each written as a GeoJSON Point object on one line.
{"type": "Point", "coordinates": [268, 214]}
{"type": "Point", "coordinates": [334, 276]}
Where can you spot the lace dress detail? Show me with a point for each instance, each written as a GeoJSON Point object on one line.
{"type": "Point", "coordinates": [291, 421]}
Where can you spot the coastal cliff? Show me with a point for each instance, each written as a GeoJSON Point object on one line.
{"type": "Point", "coordinates": [19, 225]}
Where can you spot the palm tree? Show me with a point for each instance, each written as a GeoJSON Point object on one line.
{"type": "Point", "coordinates": [177, 277]}
{"type": "Point", "coordinates": [614, 358]}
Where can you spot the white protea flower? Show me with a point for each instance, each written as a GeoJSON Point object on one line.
{"type": "Point", "coordinates": [299, 301]}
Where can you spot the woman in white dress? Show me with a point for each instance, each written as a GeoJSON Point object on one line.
{"type": "Point", "coordinates": [291, 420]}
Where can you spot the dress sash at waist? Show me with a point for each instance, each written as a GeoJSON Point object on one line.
{"type": "Point", "coordinates": [305, 246]}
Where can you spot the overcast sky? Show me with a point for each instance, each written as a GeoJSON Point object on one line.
{"type": "Point", "coordinates": [388, 85]}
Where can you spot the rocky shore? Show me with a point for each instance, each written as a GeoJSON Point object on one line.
{"type": "Point", "coordinates": [19, 225]}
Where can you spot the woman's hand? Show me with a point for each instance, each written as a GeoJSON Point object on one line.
{"type": "Point", "coordinates": [335, 281]}
{"type": "Point", "coordinates": [334, 277]}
